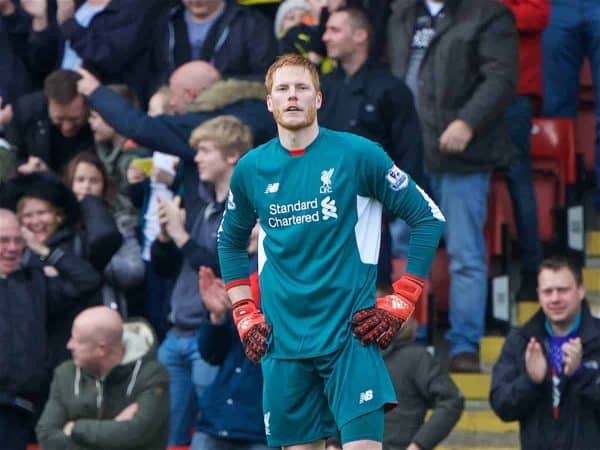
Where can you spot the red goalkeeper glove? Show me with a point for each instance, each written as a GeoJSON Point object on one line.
{"type": "Point", "coordinates": [380, 323]}
{"type": "Point", "coordinates": [252, 328]}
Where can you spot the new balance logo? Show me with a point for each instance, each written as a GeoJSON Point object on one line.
{"type": "Point", "coordinates": [272, 188]}
{"type": "Point", "coordinates": [366, 396]}
{"type": "Point", "coordinates": [329, 209]}
{"type": "Point", "coordinates": [267, 419]}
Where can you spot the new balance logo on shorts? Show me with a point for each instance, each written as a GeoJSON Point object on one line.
{"type": "Point", "coordinates": [267, 419]}
{"type": "Point", "coordinates": [365, 396]}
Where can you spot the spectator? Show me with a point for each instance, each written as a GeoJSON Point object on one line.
{"type": "Point", "coordinates": [289, 14]}
{"type": "Point", "coordinates": [116, 157]}
{"type": "Point", "coordinates": [49, 210]}
{"type": "Point", "coordinates": [363, 97]}
{"type": "Point", "coordinates": [305, 38]}
{"type": "Point", "coordinates": [113, 394]}
{"type": "Point", "coordinates": [86, 176]}
{"type": "Point", "coordinates": [571, 35]}
{"type": "Point", "coordinates": [113, 38]}
{"type": "Point", "coordinates": [235, 39]}
{"type": "Point", "coordinates": [531, 18]}
{"type": "Point", "coordinates": [547, 376]}
{"type": "Point", "coordinates": [463, 80]}
{"type": "Point", "coordinates": [170, 133]}
{"type": "Point", "coordinates": [421, 384]}
{"type": "Point", "coordinates": [181, 248]}
{"type": "Point", "coordinates": [234, 398]}
{"type": "Point", "coordinates": [50, 127]}
{"type": "Point", "coordinates": [29, 295]}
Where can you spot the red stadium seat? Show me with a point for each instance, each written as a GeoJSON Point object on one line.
{"type": "Point", "coordinates": [555, 169]}
{"type": "Point", "coordinates": [553, 149]}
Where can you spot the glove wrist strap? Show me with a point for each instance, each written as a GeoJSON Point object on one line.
{"type": "Point", "coordinates": [409, 287]}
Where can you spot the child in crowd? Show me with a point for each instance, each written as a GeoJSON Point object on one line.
{"type": "Point", "coordinates": [86, 175]}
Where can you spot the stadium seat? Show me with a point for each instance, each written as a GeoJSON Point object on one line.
{"type": "Point", "coordinates": [553, 149]}
{"type": "Point", "coordinates": [554, 168]}
{"type": "Point", "coordinates": [554, 165]}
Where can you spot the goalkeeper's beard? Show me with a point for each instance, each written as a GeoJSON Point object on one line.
{"type": "Point", "coordinates": [310, 115]}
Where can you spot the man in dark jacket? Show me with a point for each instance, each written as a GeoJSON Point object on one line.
{"type": "Point", "coordinates": [237, 40]}
{"type": "Point", "coordinates": [113, 394]}
{"type": "Point", "coordinates": [363, 97]}
{"type": "Point", "coordinates": [51, 126]}
{"type": "Point", "coordinates": [460, 59]}
{"type": "Point", "coordinates": [548, 374]}
{"type": "Point", "coordinates": [27, 295]}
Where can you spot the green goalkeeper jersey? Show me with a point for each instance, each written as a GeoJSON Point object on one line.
{"type": "Point", "coordinates": [319, 211]}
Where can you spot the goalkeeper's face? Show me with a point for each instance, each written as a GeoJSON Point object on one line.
{"type": "Point", "coordinates": [293, 99]}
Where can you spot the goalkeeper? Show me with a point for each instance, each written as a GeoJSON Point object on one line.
{"type": "Point", "coordinates": [318, 196]}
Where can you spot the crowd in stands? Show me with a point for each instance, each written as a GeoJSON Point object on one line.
{"type": "Point", "coordinates": [120, 124]}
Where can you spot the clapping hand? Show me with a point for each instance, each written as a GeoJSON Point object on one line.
{"type": "Point", "coordinates": [572, 352]}
{"type": "Point", "coordinates": [172, 220]}
{"type": "Point", "coordinates": [535, 361]}
{"type": "Point", "coordinates": [213, 293]}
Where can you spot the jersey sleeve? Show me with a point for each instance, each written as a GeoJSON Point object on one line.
{"type": "Point", "coordinates": [238, 220]}
{"type": "Point", "coordinates": [383, 180]}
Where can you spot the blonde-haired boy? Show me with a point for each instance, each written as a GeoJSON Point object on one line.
{"type": "Point", "coordinates": [186, 243]}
